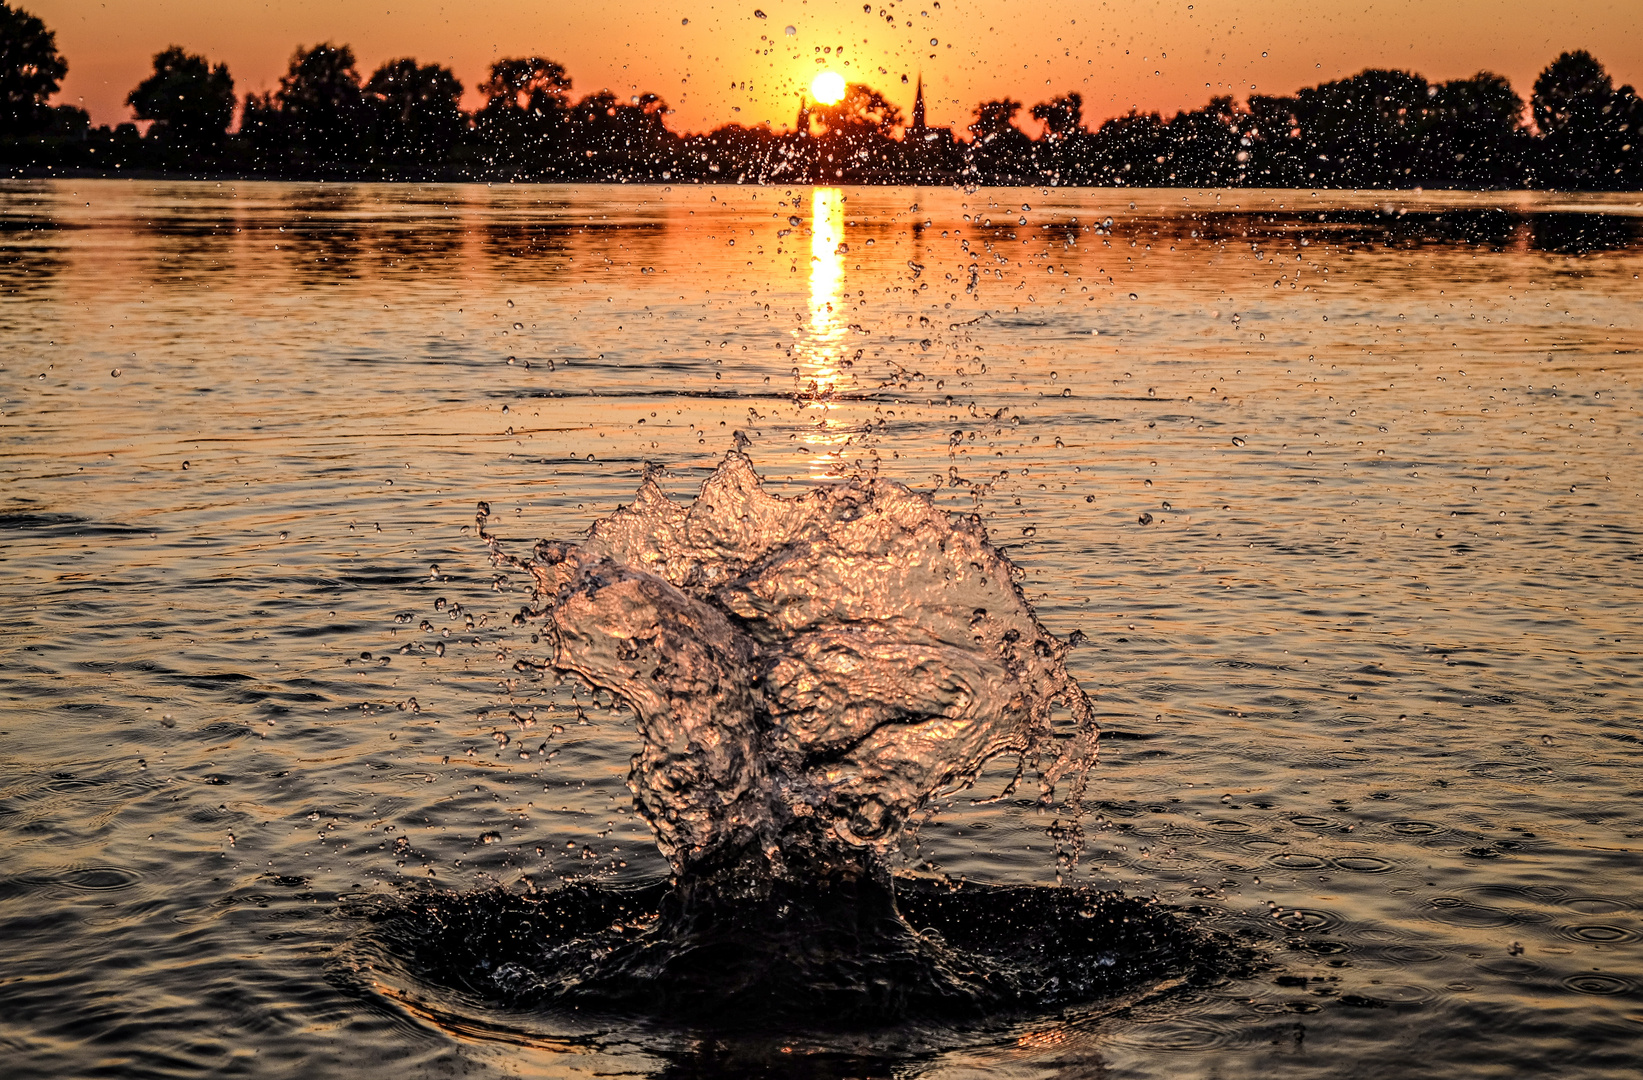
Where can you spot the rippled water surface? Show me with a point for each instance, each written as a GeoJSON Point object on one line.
{"type": "Point", "coordinates": [1337, 497]}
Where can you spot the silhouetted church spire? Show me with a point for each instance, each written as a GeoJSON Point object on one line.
{"type": "Point", "coordinates": [917, 126]}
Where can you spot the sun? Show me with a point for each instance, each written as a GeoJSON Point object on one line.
{"type": "Point", "coordinates": [827, 87]}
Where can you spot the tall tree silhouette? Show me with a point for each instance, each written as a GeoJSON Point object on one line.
{"type": "Point", "coordinates": [190, 102]}
{"type": "Point", "coordinates": [859, 115]}
{"type": "Point", "coordinates": [1058, 151]}
{"type": "Point", "coordinates": [30, 72]}
{"type": "Point", "coordinates": [1365, 129]}
{"type": "Point", "coordinates": [855, 136]}
{"type": "Point", "coordinates": [523, 122]}
{"type": "Point", "coordinates": [1132, 150]}
{"type": "Point", "coordinates": [622, 139]}
{"type": "Point", "coordinates": [322, 110]}
{"type": "Point", "coordinates": [1216, 145]}
{"type": "Point", "coordinates": [418, 116]}
{"type": "Point", "coordinates": [1475, 134]}
{"type": "Point", "coordinates": [1589, 131]}
{"type": "Point", "coordinates": [999, 150]}
{"type": "Point", "coordinates": [1062, 117]}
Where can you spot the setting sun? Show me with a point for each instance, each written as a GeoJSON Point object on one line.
{"type": "Point", "coordinates": [827, 87]}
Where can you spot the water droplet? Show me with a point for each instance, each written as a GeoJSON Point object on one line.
{"type": "Point", "coordinates": [1237, 440]}
{"type": "Point", "coordinates": [790, 30]}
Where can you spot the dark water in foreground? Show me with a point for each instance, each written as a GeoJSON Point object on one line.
{"type": "Point", "coordinates": [1341, 495]}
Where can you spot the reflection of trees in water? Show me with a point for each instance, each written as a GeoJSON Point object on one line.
{"type": "Point", "coordinates": [555, 245]}
{"type": "Point", "coordinates": [423, 245]}
{"type": "Point", "coordinates": [31, 253]}
{"type": "Point", "coordinates": [321, 238]}
{"type": "Point", "coordinates": [181, 246]}
{"type": "Point", "coordinates": [1576, 234]}
{"type": "Point", "coordinates": [1497, 228]}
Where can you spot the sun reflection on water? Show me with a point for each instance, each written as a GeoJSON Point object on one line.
{"type": "Point", "coordinates": [821, 350]}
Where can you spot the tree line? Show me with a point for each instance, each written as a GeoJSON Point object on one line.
{"type": "Point", "coordinates": [1376, 129]}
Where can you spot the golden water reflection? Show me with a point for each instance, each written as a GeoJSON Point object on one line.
{"type": "Point", "coordinates": [821, 349]}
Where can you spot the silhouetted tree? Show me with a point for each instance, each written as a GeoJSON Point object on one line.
{"type": "Point", "coordinates": [1131, 150]}
{"type": "Point", "coordinates": [1215, 146]}
{"type": "Point", "coordinates": [419, 118]}
{"type": "Point", "coordinates": [622, 139]}
{"type": "Point", "coordinates": [1057, 153]}
{"type": "Point", "coordinates": [262, 133]}
{"type": "Point", "coordinates": [734, 154]}
{"type": "Point", "coordinates": [524, 119]}
{"type": "Point", "coordinates": [1588, 130]}
{"type": "Point", "coordinates": [1061, 117]}
{"type": "Point", "coordinates": [1475, 134]}
{"type": "Point", "coordinates": [999, 150]}
{"type": "Point", "coordinates": [190, 102]}
{"type": "Point", "coordinates": [855, 138]}
{"type": "Point", "coordinates": [322, 110]}
{"type": "Point", "coordinates": [859, 115]}
{"type": "Point", "coordinates": [30, 72]}
{"type": "Point", "coordinates": [1366, 129]}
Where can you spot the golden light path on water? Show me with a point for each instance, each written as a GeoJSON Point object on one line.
{"type": "Point", "coordinates": [821, 349]}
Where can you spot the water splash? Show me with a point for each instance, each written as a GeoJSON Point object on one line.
{"type": "Point", "coordinates": [807, 673]}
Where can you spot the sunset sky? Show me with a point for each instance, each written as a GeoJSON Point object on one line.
{"type": "Point", "coordinates": [716, 61]}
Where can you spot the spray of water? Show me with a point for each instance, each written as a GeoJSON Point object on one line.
{"type": "Point", "coordinates": [807, 673]}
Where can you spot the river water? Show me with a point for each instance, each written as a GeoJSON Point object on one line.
{"type": "Point", "coordinates": [1338, 496]}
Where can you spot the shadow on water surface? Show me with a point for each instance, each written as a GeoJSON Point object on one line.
{"type": "Point", "coordinates": [733, 987]}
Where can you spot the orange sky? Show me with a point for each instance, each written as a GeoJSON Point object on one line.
{"type": "Point", "coordinates": [718, 61]}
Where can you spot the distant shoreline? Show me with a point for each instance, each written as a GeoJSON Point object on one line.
{"type": "Point", "coordinates": [154, 175]}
